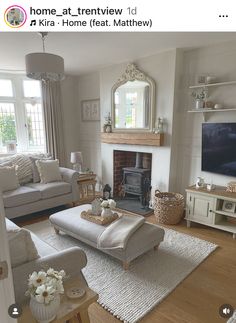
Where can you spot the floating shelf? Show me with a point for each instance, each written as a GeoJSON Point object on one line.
{"type": "Point", "coordinates": [204, 111]}
{"type": "Point", "coordinates": [211, 85]}
{"type": "Point", "coordinates": [145, 139]}
{"type": "Point", "coordinates": [211, 110]}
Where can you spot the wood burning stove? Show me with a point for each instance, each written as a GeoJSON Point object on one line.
{"type": "Point", "coordinates": [137, 181]}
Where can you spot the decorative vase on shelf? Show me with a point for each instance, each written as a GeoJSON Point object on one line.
{"type": "Point", "coordinates": [108, 128]}
{"type": "Point", "coordinates": [199, 104]}
{"type": "Point", "coordinates": [45, 313]}
{"type": "Point", "coordinates": [106, 211]}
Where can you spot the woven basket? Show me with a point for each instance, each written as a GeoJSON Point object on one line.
{"type": "Point", "coordinates": [168, 207]}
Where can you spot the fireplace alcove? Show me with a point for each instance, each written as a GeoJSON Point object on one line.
{"type": "Point", "coordinates": [132, 180]}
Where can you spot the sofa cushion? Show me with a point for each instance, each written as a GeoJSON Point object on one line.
{"type": "Point", "coordinates": [50, 190]}
{"type": "Point", "coordinates": [49, 170]}
{"type": "Point", "coordinates": [21, 246]}
{"type": "Point", "coordinates": [20, 196]}
{"type": "Point", "coordinates": [8, 178]}
{"type": "Point", "coordinates": [24, 170]}
{"type": "Point", "coordinates": [33, 159]}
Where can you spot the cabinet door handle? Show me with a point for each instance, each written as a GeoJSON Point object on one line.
{"type": "Point", "coordinates": [210, 210]}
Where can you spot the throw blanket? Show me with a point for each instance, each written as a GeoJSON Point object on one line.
{"type": "Point", "coordinates": [118, 232]}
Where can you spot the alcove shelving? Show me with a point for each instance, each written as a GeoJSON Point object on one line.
{"type": "Point", "coordinates": [206, 112]}
{"type": "Point", "coordinates": [198, 86]}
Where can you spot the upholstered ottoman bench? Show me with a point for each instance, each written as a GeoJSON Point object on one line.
{"type": "Point", "coordinates": [146, 237]}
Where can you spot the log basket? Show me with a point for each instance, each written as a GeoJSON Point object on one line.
{"type": "Point", "coordinates": [168, 207]}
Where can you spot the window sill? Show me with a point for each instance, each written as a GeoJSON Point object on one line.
{"type": "Point", "coordinates": [2, 154]}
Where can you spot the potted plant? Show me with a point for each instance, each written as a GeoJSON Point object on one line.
{"type": "Point", "coordinates": [107, 127]}
{"type": "Point", "coordinates": [199, 99]}
{"type": "Point", "coordinates": [44, 289]}
{"type": "Point", "coordinates": [107, 206]}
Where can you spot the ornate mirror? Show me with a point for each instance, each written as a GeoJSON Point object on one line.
{"type": "Point", "coordinates": [133, 101]}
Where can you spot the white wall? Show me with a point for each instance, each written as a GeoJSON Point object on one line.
{"type": "Point", "coordinates": [178, 95]}
{"type": "Point", "coordinates": [177, 164]}
{"type": "Point", "coordinates": [89, 131]}
{"type": "Point", "coordinates": [218, 60]}
{"type": "Point", "coordinates": [161, 67]}
{"type": "Point", "coordinates": [70, 116]}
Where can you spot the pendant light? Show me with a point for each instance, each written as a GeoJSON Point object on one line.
{"type": "Point", "coordinates": [44, 66]}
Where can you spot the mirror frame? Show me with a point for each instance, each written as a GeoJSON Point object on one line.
{"type": "Point", "coordinates": [132, 73]}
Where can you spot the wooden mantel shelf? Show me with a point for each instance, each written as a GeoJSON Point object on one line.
{"type": "Point", "coordinates": [133, 138]}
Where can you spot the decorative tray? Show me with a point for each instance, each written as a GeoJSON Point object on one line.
{"type": "Point", "coordinates": [98, 219]}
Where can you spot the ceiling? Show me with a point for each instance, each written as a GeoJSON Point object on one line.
{"type": "Point", "coordinates": [85, 52]}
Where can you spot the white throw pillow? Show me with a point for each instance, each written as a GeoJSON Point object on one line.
{"type": "Point", "coordinates": [36, 176]}
{"type": "Point", "coordinates": [49, 171]}
{"type": "Point", "coordinates": [8, 178]}
{"type": "Point", "coordinates": [21, 245]}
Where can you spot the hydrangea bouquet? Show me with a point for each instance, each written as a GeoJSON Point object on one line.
{"type": "Point", "coordinates": [45, 286]}
{"type": "Point", "coordinates": [108, 204]}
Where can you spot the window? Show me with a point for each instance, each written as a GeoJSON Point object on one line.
{"type": "Point", "coordinates": [6, 88]}
{"type": "Point", "coordinates": [31, 89]}
{"type": "Point", "coordinates": [7, 123]}
{"type": "Point", "coordinates": [21, 115]}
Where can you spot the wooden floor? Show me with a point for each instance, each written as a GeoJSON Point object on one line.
{"type": "Point", "coordinates": [198, 298]}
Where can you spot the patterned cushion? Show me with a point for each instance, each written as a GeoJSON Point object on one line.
{"type": "Point", "coordinates": [24, 170]}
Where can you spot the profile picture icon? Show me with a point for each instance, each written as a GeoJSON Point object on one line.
{"type": "Point", "coordinates": [15, 16]}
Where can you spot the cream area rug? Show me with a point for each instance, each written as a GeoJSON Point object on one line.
{"type": "Point", "coordinates": [129, 295]}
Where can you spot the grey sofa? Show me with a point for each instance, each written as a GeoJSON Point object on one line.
{"type": "Point", "coordinates": [34, 197]}
{"type": "Point", "coordinates": [72, 260]}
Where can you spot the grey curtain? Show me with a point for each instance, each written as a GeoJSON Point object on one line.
{"type": "Point", "coordinates": [51, 92]}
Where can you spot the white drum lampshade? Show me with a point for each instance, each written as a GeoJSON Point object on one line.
{"type": "Point", "coordinates": [44, 66]}
{"type": "Point", "coordinates": [76, 159]}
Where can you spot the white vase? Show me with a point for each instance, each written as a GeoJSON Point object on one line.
{"type": "Point", "coordinates": [199, 104]}
{"type": "Point", "coordinates": [106, 212]}
{"type": "Point", "coordinates": [45, 313]}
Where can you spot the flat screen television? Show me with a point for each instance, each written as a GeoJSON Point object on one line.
{"type": "Point", "coordinates": [219, 148]}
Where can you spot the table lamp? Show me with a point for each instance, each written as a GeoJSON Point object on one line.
{"type": "Point", "coordinates": [76, 159]}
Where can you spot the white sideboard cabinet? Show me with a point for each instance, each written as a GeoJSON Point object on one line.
{"type": "Point", "coordinates": [216, 208]}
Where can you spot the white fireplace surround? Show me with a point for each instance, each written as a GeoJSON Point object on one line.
{"type": "Point", "coordinates": [161, 68]}
{"type": "Point", "coordinates": [160, 163]}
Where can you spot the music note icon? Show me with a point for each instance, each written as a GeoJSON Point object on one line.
{"type": "Point", "coordinates": [33, 23]}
